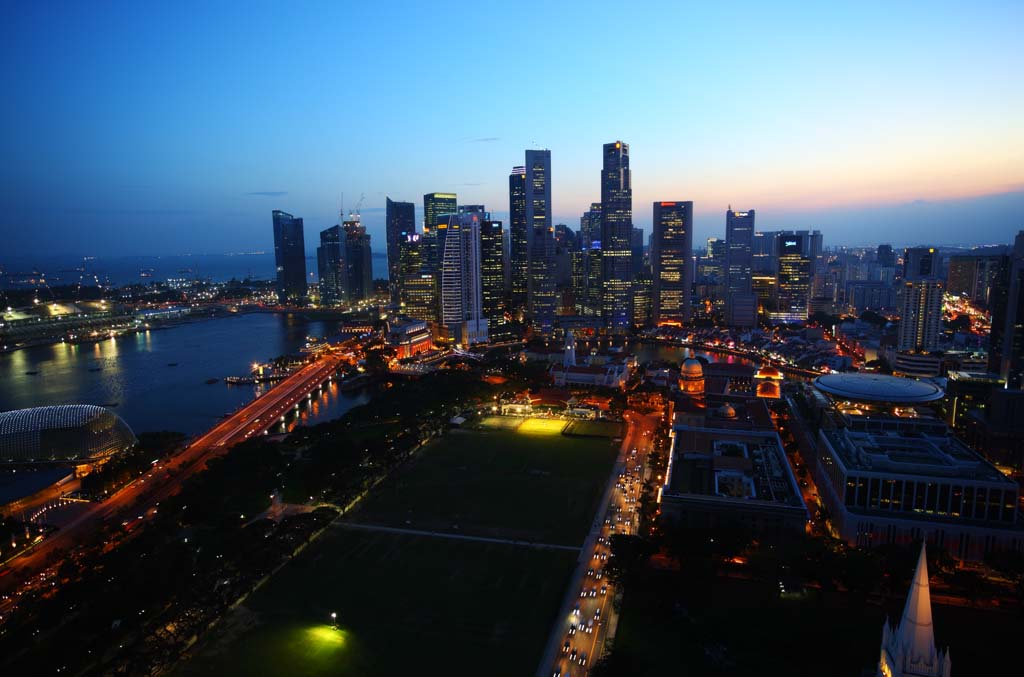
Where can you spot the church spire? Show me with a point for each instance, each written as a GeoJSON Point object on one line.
{"type": "Point", "coordinates": [910, 648]}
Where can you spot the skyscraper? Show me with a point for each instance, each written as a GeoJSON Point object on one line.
{"type": "Point", "coordinates": [616, 236]}
{"type": "Point", "coordinates": [400, 221]}
{"type": "Point", "coordinates": [794, 279]}
{"type": "Point", "coordinates": [289, 257]}
{"type": "Point", "coordinates": [519, 256]}
{"type": "Point", "coordinates": [921, 263]}
{"type": "Point", "coordinates": [590, 226]}
{"type": "Point", "coordinates": [1006, 355]}
{"type": "Point", "coordinates": [540, 281]}
{"type": "Point", "coordinates": [331, 269]}
{"type": "Point", "coordinates": [672, 261]}
{"type": "Point", "coordinates": [636, 250]}
{"type": "Point", "coordinates": [921, 314]}
{"type": "Point", "coordinates": [461, 280]}
{"type": "Point", "coordinates": [740, 302]}
{"type": "Point", "coordinates": [358, 260]}
{"type": "Point", "coordinates": [885, 256]}
{"type": "Point", "coordinates": [436, 205]}
{"type": "Point", "coordinates": [492, 275]}
{"type": "Point", "coordinates": [419, 294]}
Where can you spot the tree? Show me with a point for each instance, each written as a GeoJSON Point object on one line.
{"type": "Point", "coordinates": [629, 555]}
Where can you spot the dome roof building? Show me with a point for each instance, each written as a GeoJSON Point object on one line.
{"type": "Point", "coordinates": [691, 378]}
{"type": "Point", "coordinates": [74, 433]}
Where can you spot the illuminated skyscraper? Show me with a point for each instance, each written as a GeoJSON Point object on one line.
{"type": "Point", "coordinates": [590, 226]}
{"type": "Point", "coordinates": [461, 280]}
{"type": "Point", "coordinates": [740, 302]}
{"type": "Point", "coordinates": [358, 260]}
{"type": "Point", "coordinates": [492, 274]}
{"type": "Point", "coordinates": [540, 279]}
{"type": "Point", "coordinates": [400, 222]}
{"type": "Point", "coordinates": [436, 205]}
{"type": "Point", "coordinates": [794, 280]}
{"type": "Point", "coordinates": [331, 269]}
{"type": "Point", "coordinates": [672, 261]}
{"type": "Point", "coordinates": [519, 256]}
{"type": "Point", "coordinates": [289, 257]}
{"type": "Point", "coordinates": [616, 236]}
{"type": "Point", "coordinates": [419, 294]}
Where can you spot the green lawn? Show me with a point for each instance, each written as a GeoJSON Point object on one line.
{"type": "Point", "coordinates": [537, 487]}
{"type": "Point", "coordinates": [594, 428]}
{"type": "Point", "coordinates": [405, 605]}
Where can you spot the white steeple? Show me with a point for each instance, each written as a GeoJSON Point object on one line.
{"type": "Point", "coordinates": [569, 358]}
{"type": "Point", "coordinates": [909, 650]}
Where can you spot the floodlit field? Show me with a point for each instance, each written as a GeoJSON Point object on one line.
{"type": "Point", "coordinates": [594, 428]}
{"type": "Point", "coordinates": [500, 422]}
{"type": "Point", "coordinates": [500, 484]}
{"type": "Point", "coordinates": [542, 426]}
{"type": "Point", "coordinates": [405, 605]}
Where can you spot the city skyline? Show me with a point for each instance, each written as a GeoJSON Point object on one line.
{"type": "Point", "coordinates": [854, 136]}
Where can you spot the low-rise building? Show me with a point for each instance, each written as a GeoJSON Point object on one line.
{"type": "Point", "coordinates": [409, 337]}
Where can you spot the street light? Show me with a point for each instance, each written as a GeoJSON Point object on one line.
{"type": "Point", "coordinates": [334, 618]}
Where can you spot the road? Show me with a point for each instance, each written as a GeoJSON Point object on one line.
{"type": "Point", "coordinates": [140, 498]}
{"type": "Point", "coordinates": [587, 615]}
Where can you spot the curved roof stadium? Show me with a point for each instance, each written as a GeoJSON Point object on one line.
{"type": "Point", "coordinates": [62, 434]}
{"type": "Point", "coordinates": [878, 388]}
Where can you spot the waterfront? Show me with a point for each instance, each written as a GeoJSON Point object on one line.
{"type": "Point", "coordinates": [133, 376]}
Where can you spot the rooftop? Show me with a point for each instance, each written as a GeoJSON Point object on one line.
{"type": "Point", "coordinates": [878, 388]}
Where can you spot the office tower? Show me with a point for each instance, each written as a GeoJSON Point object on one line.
{"type": "Point", "coordinates": [636, 248]}
{"type": "Point", "coordinates": [331, 269]}
{"type": "Point", "coordinates": [794, 280]}
{"type": "Point", "coordinates": [740, 302]}
{"type": "Point", "coordinates": [400, 220]}
{"type": "Point", "coordinates": [616, 236]}
{"type": "Point", "coordinates": [644, 299]}
{"type": "Point", "coordinates": [358, 260]}
{"type": "Point", "coordinates": [419, 295]}
{"type": "Point", "coordinates": [492, 274]}
{"type": "Point", "coordinates": [672, 261]}
{"type": "Point", "coordinates": [461, 280]}
{"type": "Point", "coordinates": [435, 206]}
{"type": "Point", "coordinates": [590, 226]}
{"type": "Point", "coordinates": [540, 283]}
{"type": "Point", "coordinates": [885, 256]}
{"type": "Point", "coordinates": [973, 276]}
{"type": "Point", "coordinates": [519, 258]}
{"type": "Point", "coordinates": [289, 257]}
{"type": "Point", "coordinates": [1006, 353]}
{"type": "Point", "coordinates": [565, 243]}
{"type": "Point", "coordinates": [921, 263]}
{"type": "Point", "coordinates": [921, 315]}
{"type": "Point", "coordinates": [763, 259]}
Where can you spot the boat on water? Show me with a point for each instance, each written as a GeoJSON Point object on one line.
{"type": "Point", "coordinates": [95, 368]}
{"type": "Point", "coordinates": [31, 373]}
{"type": "Point", "coordinates": [172, 364]}
{"type": "Point", "coordinates": [239, 380]}
{"type": "Point", "coordinates": [211, 381]}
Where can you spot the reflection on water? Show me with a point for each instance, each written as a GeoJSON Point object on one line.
{"type": "Point", "coordinates": [659, 351]}
{"type": "Point", "coordinates": [132, 375]}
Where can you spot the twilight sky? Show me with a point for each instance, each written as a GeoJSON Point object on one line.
{"type": "Point", "coordinates": [135, 129]}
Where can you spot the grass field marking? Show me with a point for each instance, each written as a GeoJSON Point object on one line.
{"type": "Point", "coordinates": [458, 537]}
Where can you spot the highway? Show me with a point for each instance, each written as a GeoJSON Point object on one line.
{"type": "Point", "coordinates": [140, 498]}
{"type": "Point", "coordinates": [587, 615]}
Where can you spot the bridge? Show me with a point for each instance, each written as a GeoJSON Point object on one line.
{"type": "Point", "coordinates": [138, 500]}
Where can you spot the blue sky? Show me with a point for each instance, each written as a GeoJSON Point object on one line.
{"type": "Point", "coordinates": [131, 128]}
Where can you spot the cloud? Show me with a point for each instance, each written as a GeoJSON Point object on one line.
{"type": "Point", "coordinates": [268, 193]}
{"type": "Point", "coordinates": [484, 139]}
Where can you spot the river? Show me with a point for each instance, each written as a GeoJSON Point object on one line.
{"type": "Point", "coordinates": [133, 376]}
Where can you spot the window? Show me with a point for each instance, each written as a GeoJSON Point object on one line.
{"type": "Point", "coordinates": [943, 507]}
{"type": "Point", "coordinates": [968, 502]}
{"type": "Point", "coordinates": [955, 507]}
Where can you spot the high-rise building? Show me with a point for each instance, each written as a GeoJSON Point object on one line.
{"type": "Point", "coordinates": [461, 280]}
{"type": "Point", "coordinates": [921, 315]}
{"type": "Point", "coordinates": [289, 257]}
{"type": "Point", "coordinates": [358, 260]}
{"type": "Point", "coordinates": [763, 259]}
{"type": "Point", "coordinates": [885, 256]}
{"type": "Point", "coordinates": [973, 276]}
{"type": "Point", "coordinates": [331, 269]}
{"type": "Point", "coordinates": [400, 221]}
{"type": "Point", "coordinates": [740, 302]}
{"type": "Point", "coordinates": [419, 294]}
{"type": "Point", "coordinates": [643, 298]}
{"type": "Point", "coordinates": [921, 263]}
{"type": "Point", "coordinates": [492, 275]}
{"type": "Point", "coordinates": [541, 299]}
{"type": "Point", "coordinates": [590, 226]}
{"type": "Point", "coordinates": [616, 236]}
{"type": "Point", "coordinates": [435, 206]}
{"type": "Point", "coordinates": [1006, 354]}
{"type": "Point", "coordinates": [794, 280]}
{"type": "Point", "coordinates": [519, 254]}
{"type": "Point", "coordinates": [636, 248]}
{"type": "Point", "coordinates": [672, 261]}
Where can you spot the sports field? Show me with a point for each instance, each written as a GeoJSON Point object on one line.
{"type": "Point", "coordinates": [405, 605]}
{"type": "Point", "coordinates": [532, 484]}
{"type": "Point", "coordinates": [415, 604]}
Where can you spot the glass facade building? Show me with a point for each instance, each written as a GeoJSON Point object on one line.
{"type": "Point", "coordinates": [400, 221]}
{"type": "Point", "coordinates": [71, 433]}
{"type": "Point", "coordinates": [672, 260]}
{"type": "Point", "coordinates": [289, 257]}
{"type": "Point", "coordinates": [616, 236]}
{"type": "Point", "coordinates": [330, 260]}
